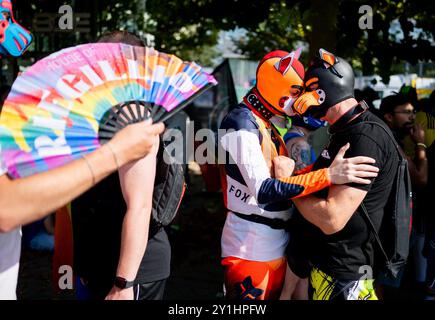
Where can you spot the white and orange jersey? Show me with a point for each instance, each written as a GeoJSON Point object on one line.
{"type": "Point", "coordinates": [250, 188]}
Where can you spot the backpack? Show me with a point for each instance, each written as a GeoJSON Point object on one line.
{"type": "Point", "coordinates": [169, 188]}
{"type": "Point", "coordinates": [396, 224]}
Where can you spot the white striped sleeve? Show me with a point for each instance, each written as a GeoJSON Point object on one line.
{"type": "Point", "coordinates": [244, 147]}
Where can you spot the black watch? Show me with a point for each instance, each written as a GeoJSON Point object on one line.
{"type": "Point", "coordinates": [123, 283]}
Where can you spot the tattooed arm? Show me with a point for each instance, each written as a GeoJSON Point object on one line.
{"type": "Point", "coordinates": [300, 151]}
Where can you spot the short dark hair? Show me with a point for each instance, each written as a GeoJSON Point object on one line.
{"type": "Point", "coordinates": [122, 36]}
{"type": "Point", "coordinates": [388, 104]}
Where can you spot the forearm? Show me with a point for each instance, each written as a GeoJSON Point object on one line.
{"type": "Point", "coordinates": [318, 211]}
{"type": "Point", "coordinates": [289, 286]}
{"type": "Point", "coordinates": [421, 166]}
{"type": "Point", "coordinates": [333, 213]}
{"type": "Point", "coordinates": [133, 242]}
{"type": "Point", "coordinates": [273, 190]}
{"type": "Point", "coordinates": [137, 183]}
{"type": "Point", "coordinates": [31, 198]}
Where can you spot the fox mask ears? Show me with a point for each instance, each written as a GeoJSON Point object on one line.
{"type": "Point", "coordinates": [328, 58]}
{"type": "Point", "coordinates": [285, 63]}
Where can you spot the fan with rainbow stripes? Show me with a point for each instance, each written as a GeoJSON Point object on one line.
{"type": "Point", "coordinates": [74, 100]}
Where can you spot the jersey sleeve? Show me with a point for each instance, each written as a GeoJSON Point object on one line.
{"type": "Point", "coordinates": [245, 151]}
{"type": "Point", "coordinates": [293, 187]}
{"type": "Point", "coordinates": [307, 169]}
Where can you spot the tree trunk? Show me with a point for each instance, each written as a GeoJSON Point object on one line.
{"type": "Point", "coordinates": [322, 17]}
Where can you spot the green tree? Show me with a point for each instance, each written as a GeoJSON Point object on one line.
{"type": "Point", "coordinates": [190, 28]}
{"type": "Point", "coordinates": [280, 29]}
{"type": "Point", "coordinates": [333, 25]}
{"type": "Point", "coordinates": [381, 49]}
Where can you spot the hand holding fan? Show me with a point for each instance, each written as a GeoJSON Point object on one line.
{"type": "Point", "coordinates": [68, 103]}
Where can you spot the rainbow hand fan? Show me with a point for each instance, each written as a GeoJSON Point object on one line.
{"type": "Point", "coordinates": [72, 101]}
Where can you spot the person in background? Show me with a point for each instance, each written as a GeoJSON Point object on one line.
{"type": "Point", "coordinates": [114, 219]}
{"type": "Point", "coordinates": [426, 118]}
{"type": "Point", "coordinates": [398, 112]}
{"type": "Point", "coordinates": [429, 246]}
{"type": "Point", "coordinates": [410, 93]}
{"type": "Point", "coordinates": [29, 199]}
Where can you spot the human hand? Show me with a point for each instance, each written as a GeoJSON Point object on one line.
{"type": "Point", "coordinates": [417, 133]}
{"type": "Point", "coordinates": [120, 294]}
{"type": "Point", "coordinates": [354, 169]}
{"type": "Point", "coordinates": [283, 166]}
{"type": "Point", "coordinates": [135, 141]}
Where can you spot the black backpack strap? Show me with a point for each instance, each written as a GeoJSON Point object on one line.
{"type": "Point", "coordinates": [363, 207]}
{"type": "Point", "coordinates": [372, 226]}
{"type": "Point", "coordinates": [169, 186]}
{"type": "Point", "coordinates": [389, 133]}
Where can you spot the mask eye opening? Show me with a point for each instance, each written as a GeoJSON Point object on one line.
{"type": "Point", "coordinates": [296, 91]}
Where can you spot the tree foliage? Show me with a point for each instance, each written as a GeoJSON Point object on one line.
{"type": "Point", "coordinates": [410, 38]}
{"type": "Point", "coordinates": [334, 25]}
{"type": "Point", "coordinates": [190, 28]}
{"type": "Point", "coordinates": [280, 29]}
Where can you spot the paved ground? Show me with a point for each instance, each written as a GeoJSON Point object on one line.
{"type": "Point", "coordinates": [196, 272]}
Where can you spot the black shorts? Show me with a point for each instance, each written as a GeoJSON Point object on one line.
{"type": "Point", "coordinates": [150, 290]}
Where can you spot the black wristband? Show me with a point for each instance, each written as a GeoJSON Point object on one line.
{"type": "Point", "coordinates": [123, 283]}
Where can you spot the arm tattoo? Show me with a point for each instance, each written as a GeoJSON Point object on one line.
{"type": "Point", "coordinates": [300, 152]}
